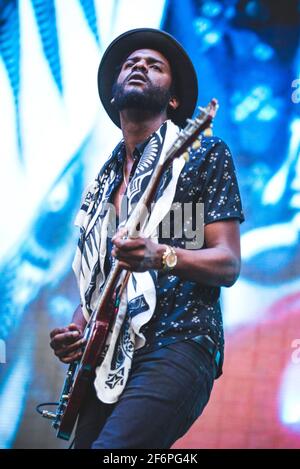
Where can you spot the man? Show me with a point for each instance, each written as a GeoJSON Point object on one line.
{"type": "Point", "coordinates": [166, 346]}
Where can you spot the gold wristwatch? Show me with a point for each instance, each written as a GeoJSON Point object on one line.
{"type": "Point", "coordinates": [169, 259]}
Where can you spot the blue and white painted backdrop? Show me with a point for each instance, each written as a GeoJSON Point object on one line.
{"type": "Point", "coordinates": [54, 136]}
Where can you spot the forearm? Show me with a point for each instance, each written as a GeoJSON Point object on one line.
{"type": "Point", "coordinates": [216, 266]}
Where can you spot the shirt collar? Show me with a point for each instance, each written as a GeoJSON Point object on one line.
{"type": "Point", "coordinates": [140, 147]}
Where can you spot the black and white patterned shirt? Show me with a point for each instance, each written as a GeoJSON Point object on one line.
{"type": "Point", "coordinates": [186, 309]}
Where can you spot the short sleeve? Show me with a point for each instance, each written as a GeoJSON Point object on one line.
{"type": "Point", "coordinates": [220, 191]}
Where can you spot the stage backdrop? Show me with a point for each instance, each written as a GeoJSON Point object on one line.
{"type": "Point", "coordinates": [54, 137]}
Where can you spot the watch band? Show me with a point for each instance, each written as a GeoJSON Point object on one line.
{"type": "Point", "coordinates": [163, 259]}
{"type": "Point", "coordinates": [170, 251]}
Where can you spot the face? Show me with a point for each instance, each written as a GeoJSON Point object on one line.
{"type": "Point", "coordinates": [144, 82]}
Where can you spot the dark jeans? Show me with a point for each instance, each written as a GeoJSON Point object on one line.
{"type": "Point", "coordinates": [165, 393]}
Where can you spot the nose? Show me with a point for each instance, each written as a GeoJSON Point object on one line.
{"type": "Point", "coordinates": [140, 65]}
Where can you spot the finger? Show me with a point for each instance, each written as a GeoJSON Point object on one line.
{"type": "Point", "coordinates": [60, 330]}
{"type": "Point", "coordinates": [130, 256]}
{"type": "Point", "coordinates": [120, 233]}
{"type": "Point", "coordinates": [64, 339]}
{"type": "Point", "coordinates": [72, 358]}
{"type": "Point", "coordinates": [133, 266]}
{"type": "Point", "coordinates": [125, 265]}
{"type": "Point", "coordinates": [74, 327]}
{"type": "Point", "coordinates": [64, 351]}
{"type": "Point", "coordinates": [129, 244]}
{"type": "Point", "coordinates": [56, 331]}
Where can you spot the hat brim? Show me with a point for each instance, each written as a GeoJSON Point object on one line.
{"type": "Point", "coordinates": [146, 38]}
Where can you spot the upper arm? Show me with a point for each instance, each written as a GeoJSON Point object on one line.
{"type": "Point", "coordinates": [224, 234]}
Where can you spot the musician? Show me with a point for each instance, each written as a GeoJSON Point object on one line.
{"type": "Point", "coordinates": [166, 345]}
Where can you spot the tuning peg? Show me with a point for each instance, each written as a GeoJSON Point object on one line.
{"type": "Point", "coordinates": [186, 156]}
{"type": "Point", "coordinates": [202, 109]}
{"type": "Point", "coordinates": [196, 144]}
{"type": "Point", "coordinates": [208, 132]}
{"type": "Point", "coordinates": [190, 121]}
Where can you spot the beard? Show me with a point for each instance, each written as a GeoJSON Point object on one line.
{"type": "Point", "coordinates": [153, 99]}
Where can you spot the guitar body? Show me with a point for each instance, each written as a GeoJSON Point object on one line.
{"type": "Point", "coordinates": [80, 375]}
{"type": "Point", "coordinates": [73, 397]}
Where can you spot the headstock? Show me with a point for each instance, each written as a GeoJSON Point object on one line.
{"type": "Point", "coordinates": [188, 135]}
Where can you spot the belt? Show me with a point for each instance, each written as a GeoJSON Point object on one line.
{"type": "Point", "coordinates": [210, 347]}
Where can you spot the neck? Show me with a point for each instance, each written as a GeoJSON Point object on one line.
{"type": "Point", "coordinates": [137, 126]}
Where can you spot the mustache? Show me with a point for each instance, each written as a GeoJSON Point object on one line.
{"type": "Point", "coordinates": [138, 75]}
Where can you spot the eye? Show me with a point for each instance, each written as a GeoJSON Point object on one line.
{"type": "Point", "coordinates": [128, 64]}
{"type": "Point", "coordinates": [156, 67]}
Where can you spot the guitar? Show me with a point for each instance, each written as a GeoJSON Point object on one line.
{"type": "Point", "coordinates": [80, 373]}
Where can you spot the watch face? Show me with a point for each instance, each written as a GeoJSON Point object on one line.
{"type": "Point", "coordinates": [171, 259]}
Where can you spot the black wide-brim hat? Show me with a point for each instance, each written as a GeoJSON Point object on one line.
{"type": "Point", "coordinates": [183, 71]}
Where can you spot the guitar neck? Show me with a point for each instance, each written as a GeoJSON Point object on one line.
{"type": "Point", "coordinates": [135, 222]}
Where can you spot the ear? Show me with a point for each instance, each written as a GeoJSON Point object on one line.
{"type": "Point", "coordinates": [174, 103]}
